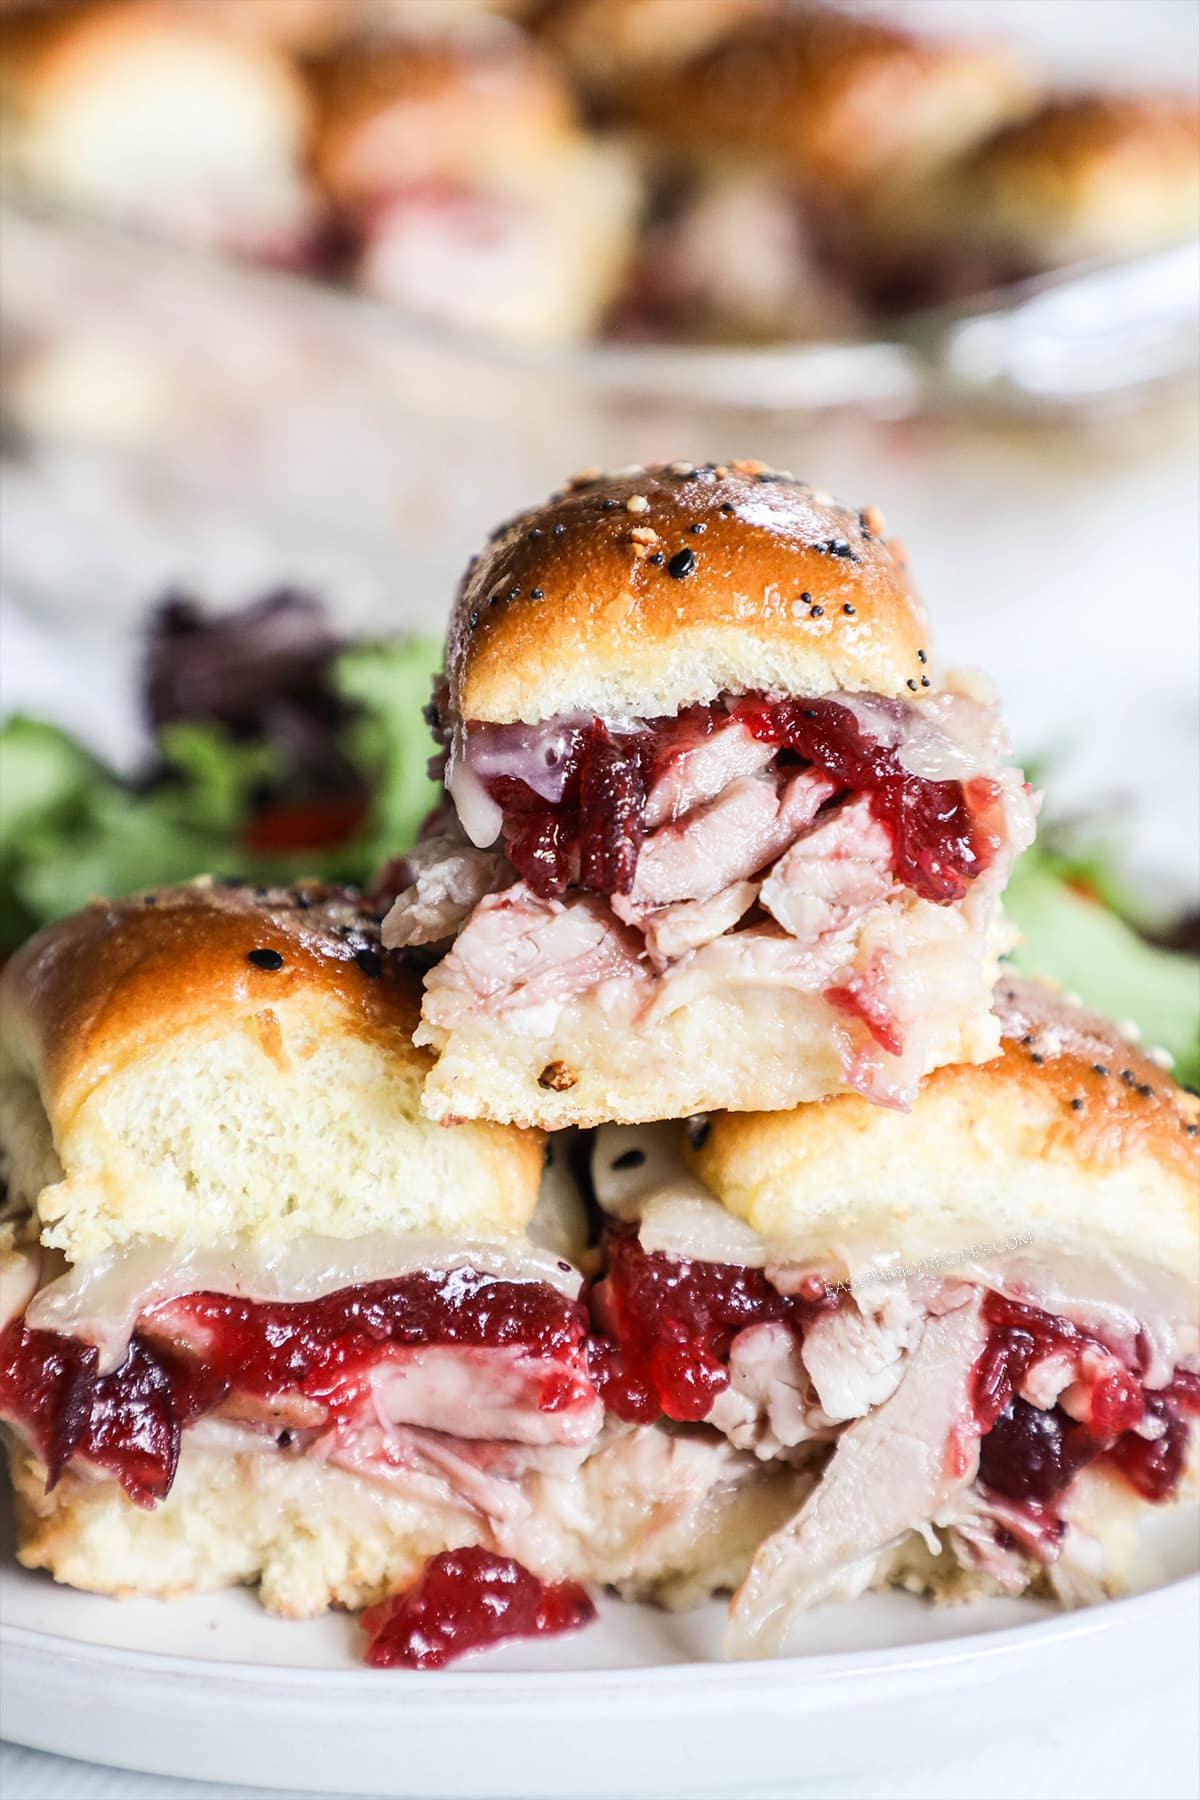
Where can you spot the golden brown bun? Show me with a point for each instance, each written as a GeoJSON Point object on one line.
{"type": "Point", "coordinates": [661, 1516]}
{"type": "Point", "coordinates": [157, 1081]}
{"type": "Point", "coordinates": [1087, 175]}
{"type": "Point", "coordinates": [1071, 1134]}
{"type": "Point", "coordinates": [843, 103]}
{"type": "Point", "coordinates": [567, 608]}
{"type": "Point", "coordinates": [463, 108]}
{"type": "Point", "coordinates": [95, 97]}
{"type": "Point", "coordinates": [304, 26]}
{"type": "Point", "coordinates": [604, 42]}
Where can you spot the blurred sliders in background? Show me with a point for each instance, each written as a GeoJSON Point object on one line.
{"type": "Point", "coordinates": [299, 296]}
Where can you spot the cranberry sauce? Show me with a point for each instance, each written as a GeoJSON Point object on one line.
{"type": "Point", "coordinates": [942, 831]}
{"type": "Point", "coordinates": [936, 827]}
{"type": "Point", "coordinates": [1030, 1453]}
{"type": "Point", "coordinates": [669, 1323]}
{"type": "Point", "coordinates": [469, 1599]}
{"type": "Point", "coordinates": [191, 1354]}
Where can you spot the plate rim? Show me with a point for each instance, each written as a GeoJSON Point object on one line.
{"type": "Point", "coordinates": [507, 1685]}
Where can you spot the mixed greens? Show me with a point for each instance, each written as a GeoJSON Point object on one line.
{"type": "Point", "coordinates": [280, 751]}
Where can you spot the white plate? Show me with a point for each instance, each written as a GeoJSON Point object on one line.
{"type": "Point", "coordinates": [213, 1688]}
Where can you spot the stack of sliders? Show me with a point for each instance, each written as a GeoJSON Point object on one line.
{"type": "Point", "coordinates": [881, 1267]}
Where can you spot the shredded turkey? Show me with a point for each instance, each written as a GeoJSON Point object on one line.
{"type": "Point", "coordinates": [748, 869]}
{"type": "Point", "coordinates": [670, 931]}
{"type": "Point", "coordinates": [700, 767]}
{"type": "Point", "coordinates": [890, 1474]}
{"type": "Point", "coordinates": [726, 839]}
{"type": "Point", "coordinates": [832, 876]}
{"type": "Point", "coordinates": [517, 951]}
{"type": "Point", "coordinates": [444, 879]}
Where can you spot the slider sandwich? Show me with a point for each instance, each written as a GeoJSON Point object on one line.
{"type": "Point", "coordinates": [973, 1329]}
{"type": "Point", "coordinates": [468, 187]}
{"type": "Point", "coordinates": [789, 144]}
{"type": "Point", "coordinates": [261, 1322]}
{"type": "Point", "coordinates": [717, 831]}
{"type": "Point", "coordinates": [840, 104]}
{"type": "Point", "coordinates": [159, 117]}
{"type": "Point", "coordinates": [1087, 175]}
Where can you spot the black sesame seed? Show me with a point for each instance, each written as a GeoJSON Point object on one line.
{"type": "Point", "coordinates": [1145, 1090]}
{"type": "Point", "coordinates": [473, 621]}
{"type": "Point", "coordinates": [658, 558]}
{"type": "Point", "coordinates": [810, 712]}
{"type": "Point", "coordinates": [1077, 1105]}
{"type": "Point", "coordinates": [369, 963]}
{"type": "Point", "coordinates": [921, 656]}
{"type": "Point", "coordinates": [681, 564]}
{"type": "Point", "coordinates": [535, 531]}
{"type": "Point", "coordinates": [149, 899]}
{"type": "Point", "coordinates": [303, 900]}
{"type": "Point", "coordinates": [727, 506]}
{"type": "Point", "coordinates": [698, 528]}
{"type": "Point", "coordinates": [559, 529]}
{"type": "Point", "coordinates": [265, 959]}
{"type": "Point", "coordinates": [1127, 1077]}
{"type": "Point", "coordinates": [818, 612]}
{"type": "Point", "coordinates": [806, 599]}
{"type": "Point", "coordinates": [1191, 1130]}
{"type": "Point", "coordinates": [609, 505]}
{"type": "Point", "coordinates": [912, 685]}
{"type": "Point", "coordinates": [537, 593]}
{"type": "Point", "coordinates": [1037, 1057]}
{"type": "Point", "coordinates": [1099, 1069]}
{"type": "Point", "coordinates": [629, 1159]}
{"type": "Point", "coordinates": [924, 681]}
{"type": "Point", "coordinates": [848, 610]}
{"type": "Point", "coordinates": [1028, 1038]}
{"type": "Point", "coordinates": [495, 599]}
{"type": "Point", "coordinates": [514, 593]}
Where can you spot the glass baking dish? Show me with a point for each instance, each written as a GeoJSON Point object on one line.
{"type": "Point", "coordinates": [174, 416]}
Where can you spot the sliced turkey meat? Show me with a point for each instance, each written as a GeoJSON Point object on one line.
{"type": "Point", "coordinates": [890, 1474]}
{"type": "Point", "coordinates": [444, 879]}
{"type": "Point", "coordinates": [832, 875]}
{"type": "Point", "coordinates": [727, 839]}
{"type": "Point", "coordinates": [697, 767]}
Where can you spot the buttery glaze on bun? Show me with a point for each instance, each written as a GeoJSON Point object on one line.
{"type": "Point", "coordinates": [1087, 175]}
{"type": "Point", "coordinates": [641, 592]}
{"type": "Point", "coordinates": [209, 1062]}
{"type": "Point", "coordinates": [1070, 1136]}
{"type": "Point", "coordinates": [839, 102]}
{"type": "Point", "coordinates": [604, 42]}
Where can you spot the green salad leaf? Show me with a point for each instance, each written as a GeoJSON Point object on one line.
{"type": "Point", "coordinates": [72, 828]}
{"type": "Point", "coordinates": [1071, 934]}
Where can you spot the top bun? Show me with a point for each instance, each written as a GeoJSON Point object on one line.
{"type": "Point", "coordinates": [1071, 1137]}
{"type": "Point", "coordinates": [1088, 175]}
{"type": "Point", "coordinates": [466, 107]}
{"type": "Point", "coordinates": [210, 1063]}
{"type": "Point", "coordinates": [839, 103]}
{"type": "Point", "coordinates": [641, 592]}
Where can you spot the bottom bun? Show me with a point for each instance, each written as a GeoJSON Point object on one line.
{"type": "Point", "coordinates": [667, 1516]}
